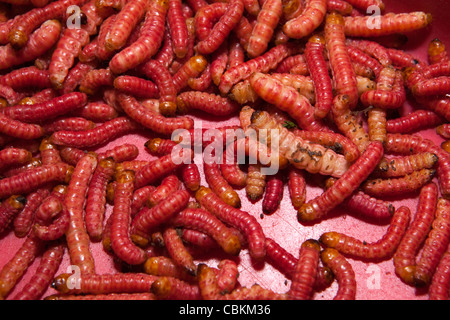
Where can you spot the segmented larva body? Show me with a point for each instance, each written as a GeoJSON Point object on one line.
{"type": "Point", "coordinates": [202, 220]}
{"type": "Point", "coordinates": [289, 62]}
{"type": "Point", "coordinates": [381, 249]}
{"type": "Point", "coordinates": [167, 90]}
{"type": "Point", "coordinates": [168, 185]}
{"type": "Point", "coordinates": [303, 84]}
{"type": "Point", "coordinates": [363, 63]}
{"type": "Point", "coordinates": [405, 144]}
{"type": "Point", "coordinates": [160, 147]}
{"type": "Point", "coordinates": [219, 185]}
{"type": "Point", "coordinates": [156, 122]}
{"type": "Point", "coordinates": [222, 28]}
{"type": "Point", "coordinates": [435, 245]}
{"type": "Point", "coordinates": [252, 7]}
{"type": "Point", "coordinates": [13, 270]}
{"type": "Point", "coordinates": [210, 290]}
{"type": "Point", "coordinates": [273, 194]}
{"type": "Point", "coordinates": [219, 61]}
{"type": "Point", "coordinates": [127, 18]}
{"type": "Point", "coordinates": [305, 273]}
{"type": "Point", "coordinates": [97, 111]}
{"type": "Point", "coordinates": [9, 96]}
{"type": "Point", "coordinates": [140, 197]}
{"type": "Point", "coordinates": [389, 23]}
{"type": "Point", "coordinates": [71, 155]}
{"type": "Point", "coordinates": [443, 130]}
{"type": "Point", "coordinates": [343, 7]}
{"type": "Point", "coordinates": [9, 208]}
{"type": "Point", "coordinates": [50, 207]}
{"type": "Point", "coordinates": [55, 229]}
{"type": "Point", "coordinates": [104, 283]}
{"type": "Point", "coordinates": [96, 197]}
{"type": "Point", "coordinates": [101, 51]}
{"type": "Point", "coordinates": [430, 87]}
{"type": "Point", "coordinates": [372, 48]}
{"type": "Point", "coordinates": [206, 17]}
{"type": "Point", "coordinates": [178, 29]}
{"type": "Point", "coordinates": [148, 218]}
{"type": "Point", "coordinates": [386, 99]}
{"type": "Point", "coordinates": [405, 256]}
{"type": "Point", "coordinates": [343, 271]}
{"type": "Point", "coordinates": [236, 53]}
{"type": "Point", "coordinates": [335, 141]}
{"type": "Point", "coordinates": [107, 297]}
{"type": "Point", "coordinates": [168, 288]}
{"type": "Point", "coordinates": [120, 153]}
{"type": "Point", "coordinates": [370, 207]}
{"type": "Point", "coordinates": [88, 52]}
{"type": "Point", "coordinates": [177, 250]}
{"type": "Point", "coordinates": [227, 275]}
{"type": "Point", "coordinates": [256, 182]}
{"type": "Point", "coordinates": [266, 22]}
{"type": "Point", "coordinates": [24, 219]}
{"type": "Point", "coordinates": [439, 285]}
{"type": "Point", "coordinates": [10, 156]}
{"type": "Point", "coordinates": [161, 167]}
{"type": "Point", "coordinates": [377, 124]}
{"type": "Point", "coordinates": [40, 112]}
{"type": "Point", "coordinates": [398, 185]}
{"type": "Point", "coordinates": [68, 48]}
{"type": "Point", "coordinates": [365, 4]}
{"type": "Point", "coordinates": [136, 86]}
{"type": "Point", "coordinates": [40, 42]}
{"type": "Point", "coordinates": [269, 60]}
{"type": "Point", "coordinates": [287, 99]}
{"type": "Point", "coordinates": [67, 123]}
{"type": "Point", "coordinates": [231, 171]}
{"type": "Point", "coordinates": [198, 239]}
{"type": "Point", "coordinates": [310, 19]}
{"type": "Point", "coordinates": [148, 42]}
{"type": "Point", "coordinates": [78, 241]}
{"type": "Point", "coordinates": [49, 152]}
{"type": "Point", "coordinates": [235, 217]}
{"type": "Point", "coordinates": [105, 131]}
{"type": "Point", "coordinates": [166, 267]}
{"type": "Point", "coordinates": [414, 121]}
{"type": "Point", "coordinates": [43, 276]}
{"type": "Point", "coordinates": [344, 186]}
{"type": "Point", "coordinates": [95, 79]}
{"type": "Point", "coordinates": [19, 129]}
{"type": "Point", "coordinates": [314, 55]}
{"type": "Point", "coordinates": [344, 77]}
{"type": "Point", "coordinates": [208, 102]}
{"type": "Point", "coordinates": [121, 243]}
{"type": "Point", "coordinates": [280, 258]}
{"type": "Point", "coordinates": [403, 165]}
{"type": "Point", "coordinates": [33, 163]}
{"type": "Point", "coordinates": [437, 52]}
{"type": "Point", "coordinates": [297, 187]}
{"type": "Point", "coordinates": [26, 77]}
{"type": "Point", "coordinates": [301, 154]}
{"type": "Point", "coordinates": [76, 74]}
{"type": "Point", "coordinates": [402, 59]}
{"type": "Point", "coordinates": [33, 178]}
{"type": "Point", "coordinates": [348, 124]}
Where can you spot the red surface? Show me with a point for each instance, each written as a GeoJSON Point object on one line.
{"type": "Point", "coordinates": [376, 280]}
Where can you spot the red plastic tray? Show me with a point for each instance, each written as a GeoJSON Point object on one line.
{"type": "Point", "coordinates": [376, 281]}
